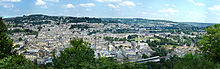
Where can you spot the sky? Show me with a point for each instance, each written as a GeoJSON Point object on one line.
{"type": "Point", "coordinates": [207, 11]}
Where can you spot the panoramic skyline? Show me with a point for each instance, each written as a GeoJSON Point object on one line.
{"type": "Point", "coordinates": [206, 11]}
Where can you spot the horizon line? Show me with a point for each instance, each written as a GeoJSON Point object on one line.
{"type": "Point", "coordinates": [107, 17]}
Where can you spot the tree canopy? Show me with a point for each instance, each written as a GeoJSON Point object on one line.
{"type": "Point", "coordinates": [211, 43]}
{"type": "Point", "coordinates": [8, 58]}
{"type": "Point", "coordinates": [5, 41]}
{"type": "Point", "coordinates": [76, 56]}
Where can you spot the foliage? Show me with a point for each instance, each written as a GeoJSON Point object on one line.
{"type": "Point", "coordinates": [190, 61]}
{"type": "Point", "coordinates": [106, 63]}
{"type": "Point", "coordinates": [160, 52]}
{"type": "Point", "coordinates": [8, 58]}
{"type": "Point", "coordinates": [39, 28]}
{"type": "Point", "coordinates": [16, 61]}
{"type": "Point", "coordinates": [77, 56]}
{"type": "Point", "coordinates": [163, 41]}
{"type": "Point", "coordinates": [28, 31]}
{"type": "Point", "coordinates": [20, 39]}
{"type": "Point", "coordinates": [211, 43]}
{"type": "Point", "coordinates": [132, 36]}
{"type": "Point", "coordinates": [79, 26]}
{"type": "Point", "coordinates": [5, 42]}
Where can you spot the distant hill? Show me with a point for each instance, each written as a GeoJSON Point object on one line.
{"type": "Point", "coordinates": [133, 20]}
{"type": "Point", "coordinates": [198, 24]}
{"type": "Point", "coordinates": [43, 19]}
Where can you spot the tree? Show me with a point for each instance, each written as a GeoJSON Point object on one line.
{"type": "Point", "coordinates": [39, 28]}
{"type": "Point", "coordinates": [211, 43]}
{"type": "Point", "coordinates": [20, 39]}
{"type": "Point", "coordinates": [78, 56]}
{"type": "Point", "coordinates": [132, 36]}
{"type": "Point", "coordinates": [190, 61]}
{"type": "Point", "coordinates": [5, 41]}
{"type": "Point", "coordinates": [8, 58]}
{"type": "Point", "coordinates": [16, 61]}
{"type": "Point", "coordinates": [106, 63]}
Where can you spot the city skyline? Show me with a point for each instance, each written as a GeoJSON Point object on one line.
{"type": "Point", "coordinates": [180, 11]}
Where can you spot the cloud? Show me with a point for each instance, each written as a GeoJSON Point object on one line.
{"type": "Point", "coordinates": [215, 8]}
{"type": "Point", "coordinates": [10, 0]}
{"type": "Point", "coordinates": [53, 0]}
{"type": "Point", "coordinates": [108, 0]}
{"type": "Point", "coordinates": [40, 2]}
{"type": "Point", "coordinates": [128, 3]}
{"type": "Point", "coordinates": [195, 3]}
{"type": "Point", "coordinates": [69, 6]}
{"type": "Point", "coordinates": [8, 6]}
{"type": "Point", "coordinates": [116, 6]}
{"type": "Point", "coordinates": [113, 6]}
{"type": "Point", "coordinates": [169, 10]}
{"type": "Point", "coordinates": [87, 5]}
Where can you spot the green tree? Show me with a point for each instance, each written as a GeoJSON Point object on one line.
{"type": "Point", "coordinates": [8, 58]}
{"type": "Point", "coordinates": [190, 61]}
{"type": "Point", "coordinates": [39, 28]}
{"type": "Point", "coordinates": [5, 41]}
{"type": "Point", "coordinates": [211, 43]}
{"type": "Point", "coordinates": [77, 56]}
{"type": "Point", "coordinates": [20, 39]}
{"type": "Point", "coordinates": [106, 63]}
{"type": "Point", "coordinates": [16, 61]}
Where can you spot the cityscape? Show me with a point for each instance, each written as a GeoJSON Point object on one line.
{"type": "Point", "coordinates": [109, 34]}
{"type": "Point", "coordinates": [118, 40]}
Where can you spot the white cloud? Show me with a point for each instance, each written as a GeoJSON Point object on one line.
{"type": "Point", "coordinates": [40, 2]}
{"type": "Point", "coordinates": [53, 0]}
{"type": "Point", "coordinates": [195, 3]}
{"type": "Point", "coordinates": [215, 8]}
{"type": "Point", "coordinates": [169, 10]}
{"type": "Point", "coordinates": [8, 6]}
{"type": "Point", "coordinates": [69, 6]}
{"type": "Point", "coordinates": [113, 6]}
{"type": "Point", "coordinates": [10, 0]}
{"type": "Point", "coordinates": [128, 3]}
{"type": "Point", "coordinates": [108, 0]}
{"type": "Point", "coordinates": [87, 5]}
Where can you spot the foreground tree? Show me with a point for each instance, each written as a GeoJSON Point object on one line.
{"type": "Point", "coordinates": [211, 43]}
{"type": "Point", "coordinates": [106, 63]}
{"type": "Point", "coordinates": [16, 62]}
{"type": "Point", "coordinates": [8, 58]}
{"type": "Point", "coordinates": [78, 56]}
{"type": "Point", "coordinates": [190, 61]}
{"type": "Point", "coordinates": [5, 41]}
